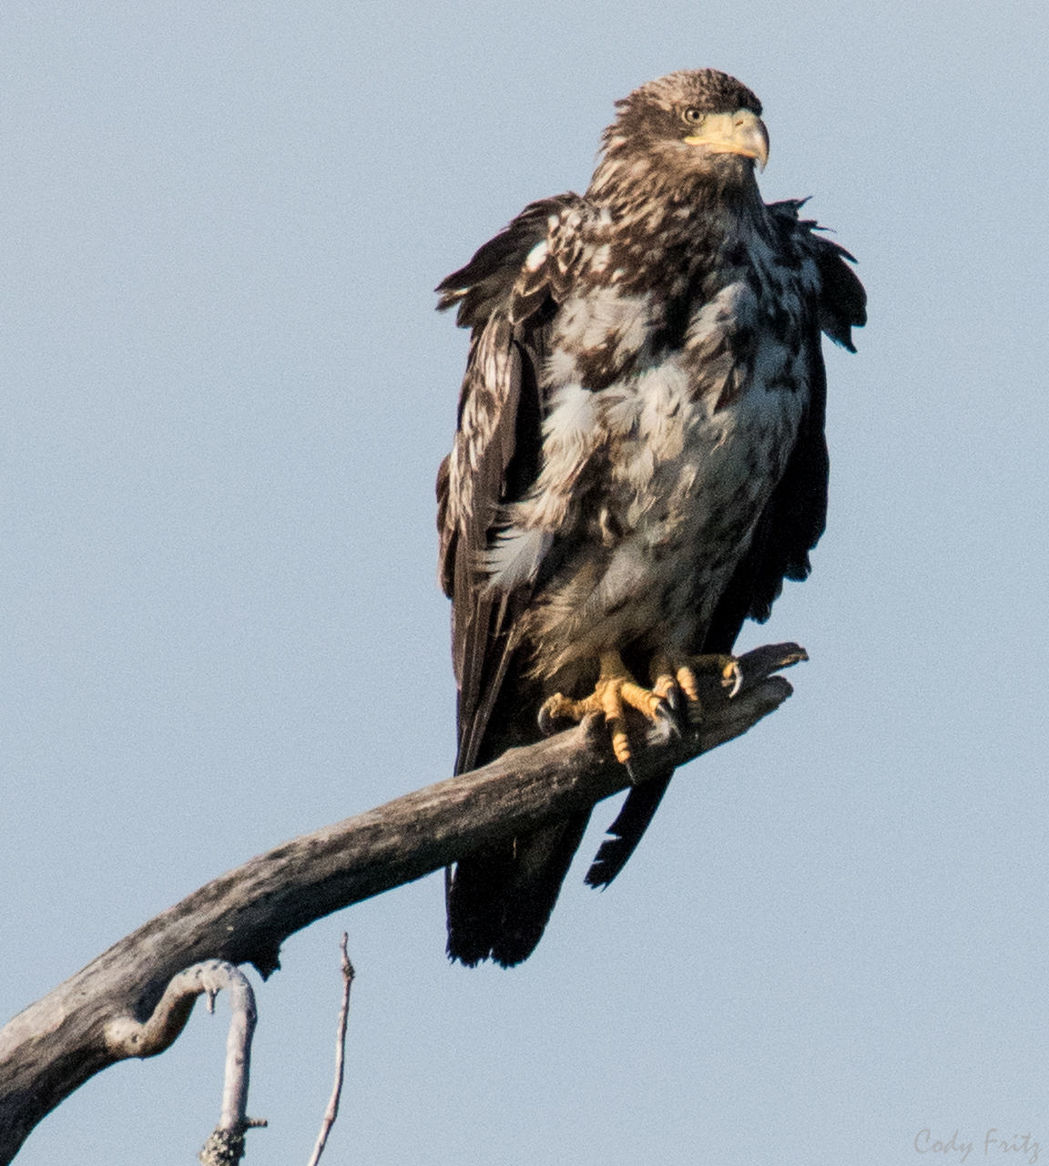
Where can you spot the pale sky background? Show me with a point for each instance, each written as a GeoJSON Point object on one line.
{"type": "Point", "coordinates": [225, 397]}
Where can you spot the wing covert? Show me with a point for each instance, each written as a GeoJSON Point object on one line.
{"type": "Point", "coordinates": [505, 294]}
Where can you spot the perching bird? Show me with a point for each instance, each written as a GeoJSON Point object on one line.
{"type": "Point", "coordinates": [639, 462]}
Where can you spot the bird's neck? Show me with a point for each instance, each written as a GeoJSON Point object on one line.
{"type": "Point", "coordinates": [649, 205]}
{"type": "Point", "coordinates": [657, 228]}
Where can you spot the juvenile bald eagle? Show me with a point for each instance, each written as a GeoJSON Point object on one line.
{"type": "Point", "coordinates": [639, 461]}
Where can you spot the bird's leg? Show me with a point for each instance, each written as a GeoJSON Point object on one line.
{"type": "Point", "coordinates": [616, 691]}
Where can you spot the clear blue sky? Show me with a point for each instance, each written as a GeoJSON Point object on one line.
{"type": "Point", "coordinates": [225, 397]}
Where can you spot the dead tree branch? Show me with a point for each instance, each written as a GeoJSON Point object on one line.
{"type": "Point", "coordinates": [56, 1044]}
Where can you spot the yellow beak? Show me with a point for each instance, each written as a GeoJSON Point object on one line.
{"type": "Point", "coordinates": [741, 132]}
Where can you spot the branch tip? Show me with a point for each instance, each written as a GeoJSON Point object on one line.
{"type": "Point", "coordinates": [332, 1112]}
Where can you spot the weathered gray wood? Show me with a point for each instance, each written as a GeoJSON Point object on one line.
{"type": "Point", "coordinates": [56, 1044]}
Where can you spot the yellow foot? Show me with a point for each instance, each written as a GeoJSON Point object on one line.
{"type": "Point", "coordinates": [616, 691]}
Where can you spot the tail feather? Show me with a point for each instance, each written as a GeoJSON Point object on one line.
{"type": "Point", "coordinates": [500, 899]}
{"type": "Point", "coordinates": [627, 830]}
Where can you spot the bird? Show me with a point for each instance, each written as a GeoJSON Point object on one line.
{"type": "Point", "coordinates": [639, 461]}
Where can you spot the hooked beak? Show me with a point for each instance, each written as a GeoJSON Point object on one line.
{"type": "Point", "coordinates": [742, 132]}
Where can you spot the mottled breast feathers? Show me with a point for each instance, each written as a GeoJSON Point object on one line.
{"type": "Point", "coordinates": [508, 293]}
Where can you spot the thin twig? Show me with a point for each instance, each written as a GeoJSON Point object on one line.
{"type": "Point", "coordinates": [332, 1112]}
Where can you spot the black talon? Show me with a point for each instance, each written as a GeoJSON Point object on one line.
{"type": "Point", "coordinates": [675, 699]}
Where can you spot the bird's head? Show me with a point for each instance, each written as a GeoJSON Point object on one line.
{"type": "Point", "coordinates": [687, 126]}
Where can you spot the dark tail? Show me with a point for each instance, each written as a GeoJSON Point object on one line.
{"type": "Point", "coordinates": [499, 899]}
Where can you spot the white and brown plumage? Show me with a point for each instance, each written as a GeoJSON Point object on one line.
{"type": "Point", "coordinates": [639, 460]}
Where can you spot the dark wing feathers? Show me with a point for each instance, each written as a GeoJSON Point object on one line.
{"type": "Point", "coordinates": [481, 619]}
{"type": "Point", "coordinates": [487, 283]}
{"type": "Point", "coordinates": [500, 295]}
{"type": "Point", "coordinates": [843, 301]}
{"type": "Point", "coordinates": [795, 516]}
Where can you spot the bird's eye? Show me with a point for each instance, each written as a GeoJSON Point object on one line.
{"type": "Point", "coordinates": [691, 115]}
